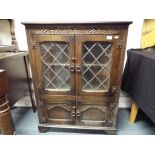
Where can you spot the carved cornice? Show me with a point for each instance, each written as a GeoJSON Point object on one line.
{"type": "Point", "coordinates": [75, 31]}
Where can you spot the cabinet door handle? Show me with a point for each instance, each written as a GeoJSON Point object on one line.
{"type": "Point", "coordinates": [78, 113]}
{"type": "Point", "coordinates": [73, 59]}
{"type": "Point", "coordinates": [72, 68]}
{"type": "Point", "coordinates": [73, 113]}
{"type": "Point", "coordinates": [78, 68]}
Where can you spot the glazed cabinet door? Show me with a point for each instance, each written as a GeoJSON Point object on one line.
{"type": "Point", "coordinates": [58, 112]}
{"type": "Point", "coordinates": [96, 64]}
{"type": "Point", "coordinates": [54, 59]}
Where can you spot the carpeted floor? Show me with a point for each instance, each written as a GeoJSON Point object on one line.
{"type": "Point", "coordinates": [26, 124]}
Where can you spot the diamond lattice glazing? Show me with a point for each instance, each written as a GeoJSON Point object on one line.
{"type": "Point", "coordinates": [96, 60]}
{"type": "Point", "coordinates": [55, 65]}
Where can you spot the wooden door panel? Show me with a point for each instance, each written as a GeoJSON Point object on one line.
{"type": "Point", "coordinates": [92, 113]}
{"type": "Point", "coordinates": [59, 112]}
{"type": "Point", "coordinates": [96, 64]}
{"type": "Point", "coordinates": [55, 68]}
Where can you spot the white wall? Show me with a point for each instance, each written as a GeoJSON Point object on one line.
{"type": "Point", "coordinates": [134, 34]}
{"type": "Point", "coordinates": [133, 40]}
{"type": "Point", "coordinates": [78, 10]}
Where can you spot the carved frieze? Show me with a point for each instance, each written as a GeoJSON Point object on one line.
{"type": "Point", "coordinates": [75, 31]}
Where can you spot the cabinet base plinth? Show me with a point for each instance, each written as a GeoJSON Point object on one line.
{"type": "Point", "coordinates": [43, 128]}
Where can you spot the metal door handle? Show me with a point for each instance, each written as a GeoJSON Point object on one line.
{"type": "Point", "coordinates": [78, 113]}
{"type": "Point", "coordinates": [78, 68]}
{"type": "Point", "coordinates": [72, 68]}
{"type": "Point", "coordinates": [73, 113]}
{"type": "Point", "coordinates": [73, 59]}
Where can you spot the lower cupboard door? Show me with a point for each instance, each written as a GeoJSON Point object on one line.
{"type": "Point", "coordinates": [59, 112]}
{"type": "Point", "coordinates": [92, 113]}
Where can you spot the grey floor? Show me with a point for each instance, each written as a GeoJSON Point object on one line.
{"type": "Point", "coordinates": [26, 124]}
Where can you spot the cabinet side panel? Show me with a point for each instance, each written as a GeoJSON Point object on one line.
{"type": "Point", "coordinates": [120, 57]}
{"type": "Point", "coordinates": [32, 59]}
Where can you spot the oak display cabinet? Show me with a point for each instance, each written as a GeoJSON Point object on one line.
{"type": "Point", "coordinates": [77, 70]}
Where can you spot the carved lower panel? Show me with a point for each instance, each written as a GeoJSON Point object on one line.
{"type": "Point", "coordinates": [89, 114]}
{"type": "Point", "coordinates": [64, 106]}
{"type": "Point", "coordinates": [84, 114]}
{"type": "Point", "coordinates": [92, 115]}
{"type": "Point", "coordinates": [58, 112]}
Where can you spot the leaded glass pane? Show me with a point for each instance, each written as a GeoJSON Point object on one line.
{"type": "Point", "coordinates": [96, 61]}
{"type": "Point", "coordinates": [55, 65]}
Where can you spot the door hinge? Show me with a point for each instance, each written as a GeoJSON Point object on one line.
{"type": "Point", "coordinates": [114, 89]}
{"type": "Point", "coordinates": [33, 44]}
{"type": "Point", "coordinates": [38, 85]}
{"type": "Point", "coordinates": [41, 103]}
{"type": "Point", "coordinates": [120, 44]}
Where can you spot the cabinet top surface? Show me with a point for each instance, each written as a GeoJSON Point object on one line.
{"type": "Point", "coordinates": [80, 23]}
